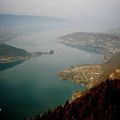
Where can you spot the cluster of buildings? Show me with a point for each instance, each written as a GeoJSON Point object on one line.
{"type": "Point", "coordinates": [7, 59]}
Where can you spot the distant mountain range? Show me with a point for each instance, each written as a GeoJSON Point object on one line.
{"type": "Point", "coordinates": [8, 20]}
{"type": "Point", "coordinates": [12, 26]}
{"type": "Point", "coordinates": [115, 31]}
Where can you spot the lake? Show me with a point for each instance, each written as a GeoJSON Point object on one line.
{"type": "Point", "coordinates": [33, 87]}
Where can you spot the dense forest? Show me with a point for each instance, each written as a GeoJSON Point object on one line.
{"type": "Point", "coordinates": [99, 103]}
{"type": "Point", "coordinates": [7, 50]}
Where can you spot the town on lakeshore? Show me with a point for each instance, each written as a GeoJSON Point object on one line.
{"type": "Point", "coordinates": [59, 59]}
{"type": "Point", "coordinates": [90, 75]}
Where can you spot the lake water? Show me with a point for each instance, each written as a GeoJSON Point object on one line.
{"type": "Point", "coordinates": [33, 86]}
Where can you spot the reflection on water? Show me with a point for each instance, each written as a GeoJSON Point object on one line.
{"type": "Point", "coordinates": [33, 86]}
{"type": "Point", "coordinates": [5, 66]}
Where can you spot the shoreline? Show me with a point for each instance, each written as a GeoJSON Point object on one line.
{"type": "Point", "coordinates": [90, 75]}
{"type": "Point", "coordinates": [6, 60]}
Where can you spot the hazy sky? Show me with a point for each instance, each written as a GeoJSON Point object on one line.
{"type": "Point", "coordinates": [70, 9]}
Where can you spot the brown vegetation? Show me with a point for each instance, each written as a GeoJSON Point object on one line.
{"type": "Point", "coordinates": [99, 103]}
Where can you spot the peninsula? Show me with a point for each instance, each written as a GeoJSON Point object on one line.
{"type": "Point", "coordinates": [91, 75]}
{"type": "Point", "coordinates": [11, 54]}
{"type": "Point", "coordinates": [107, 44]}
{"type": "Point", "coordinates": [101, 43]}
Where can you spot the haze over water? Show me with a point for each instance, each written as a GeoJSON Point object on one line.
{"type": "Point", "coordinates": [33, 86]}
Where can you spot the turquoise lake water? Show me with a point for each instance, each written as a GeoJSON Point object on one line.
{"type": "Point", "coordinates": [33, 86]}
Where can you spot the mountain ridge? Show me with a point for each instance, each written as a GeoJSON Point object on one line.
{"type": "Point", "coordinates": [7, 50]}
{"type": "Point", "coordinates": [99, 103]}
{"type": "Point", "coordinates": [7, 20]}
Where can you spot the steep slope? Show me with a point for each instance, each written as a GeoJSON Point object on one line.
{"type": "Point", "coordinates": [99, 103]}
{"type": "Point", "coordinates": [7, 50]}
